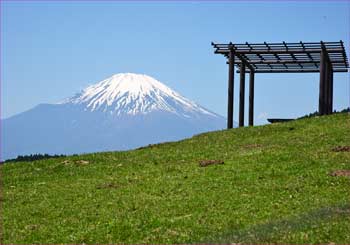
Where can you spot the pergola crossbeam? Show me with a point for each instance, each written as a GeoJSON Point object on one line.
{"type": "Point", "coordinates": [295, 71]}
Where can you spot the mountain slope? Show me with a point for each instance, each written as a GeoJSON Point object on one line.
{"type": "Point", "coordinates": [132, 94]}
{"type": "Point", "coordinates": [274, 187]}
{"type": "Point", "coordinates": [122, 112]}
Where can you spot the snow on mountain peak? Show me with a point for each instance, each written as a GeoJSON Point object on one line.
{"type": "Point", "coordinates": [131, 94]}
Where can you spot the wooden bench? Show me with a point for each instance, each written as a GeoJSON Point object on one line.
{"type": "Point", "coordinates": [277, 120]}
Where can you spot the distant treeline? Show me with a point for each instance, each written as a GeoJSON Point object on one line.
{"type": "Point", "coordinates": [32, 157]}
{"type": "Point", "coordinates": [316, 113]}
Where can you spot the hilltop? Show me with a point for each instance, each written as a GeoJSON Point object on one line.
{"type": "Point", "coordinates": [277, 185]}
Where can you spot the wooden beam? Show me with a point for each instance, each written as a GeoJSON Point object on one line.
{"type": "Point", "coordinates": [343, 52]}
{"type": "Point", "coordinates": [241, 95]}
{"type": "Point", "coordinates": [231, 73]}
{"type": "Point", "coordinates": [331, 92]}
{"type": "Point", "coordinates": [289, 44]}
{"type": "Point", "coordinates": [271, 62]}
{"type": "Point", "coordinates": [293, 71]}
{"type": "Point", "coordinates": [308, 54]}
{"type": "Point", "coordinates": [321, 109]}
{"type": "Point", "coordinates": [329, 88]}
{"type": "Point", "coordinates": [326, 87]}
{"type": "Point", "coordinates": [251, 98]}
{"type": "Point", "coordinates": [244, 60]}
{"type": "Point", "coordinates": [279, 51]}
{"type": "Point", "coordinates": [327, 77]}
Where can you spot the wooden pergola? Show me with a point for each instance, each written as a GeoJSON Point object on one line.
{"type": "Point", "coordinates": [323, 57]}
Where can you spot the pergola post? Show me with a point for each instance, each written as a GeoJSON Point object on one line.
{"type": "Point", "coordinates": [251, 97]}
{"type": "Point", "coordinates": [321, 101]}
{"type": "Point", "coordinates": [326, 88]}
{"type": "Point", "coordinates": [241, 95]}
{"type": "Point", "coordinates": [331, 90]}
{"type": "Point", "coordinates": [231, 61]}
{"type": "Point", "coordinates": [330, 87]}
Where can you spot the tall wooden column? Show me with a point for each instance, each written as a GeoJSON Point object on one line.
{"type": "Point", "coordinates": [326, 87]}
{"type": "Point", "coordinates": [251, 97]}
{"type": "Point", "coordinates": [241, 95]}
{"type": "Point", "coordinates": [321, 99]}
{"type": "Point", "coordinates": [329, 88]}
{"type": "Point", "coordinates": [331, 91]}
{"type": "Point", "coordinates": [231, 62]}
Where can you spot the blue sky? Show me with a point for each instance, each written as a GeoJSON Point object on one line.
{"type": "Point", "coordinates": [51, 50]}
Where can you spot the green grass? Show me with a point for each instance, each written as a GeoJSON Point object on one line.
{"type": "Point", "coordinates": [274, 187]}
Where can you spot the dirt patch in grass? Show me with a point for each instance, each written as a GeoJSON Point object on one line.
{"type": "Point", "coordinates": [340, 173]}
{"type": "Point", "coordinates": [205, 163]}
{"type": "Point", "coordinates": [82, 162]}
{"type": "Point", "coordinates": [32, 227]}
{"type": "Point", "coordinates": [108, 186]}
{"type": "Point", "coordinates": [252, 146]}
{"type": "Point", "coordinates": [66, 162]}
{"type": "Point", "coordinates": [345, 148]}
{"type": "Point", "coordinates": [77, 162]}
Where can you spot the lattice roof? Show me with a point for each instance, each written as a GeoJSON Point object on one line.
{"type": "Point", "coordinates": [285, 57]}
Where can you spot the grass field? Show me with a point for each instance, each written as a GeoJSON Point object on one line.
{"type": "Point", "coordinates": [274, 187]}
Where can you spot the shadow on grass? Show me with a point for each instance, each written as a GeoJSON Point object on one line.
{"type": "Point", "coordinates": [269, 232]}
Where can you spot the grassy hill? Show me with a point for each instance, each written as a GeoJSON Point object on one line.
{"type": "Point", "coordinates": [274, 186]}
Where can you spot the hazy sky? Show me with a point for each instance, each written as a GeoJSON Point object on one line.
{"type": "Point", "coordinates": [51, 50]}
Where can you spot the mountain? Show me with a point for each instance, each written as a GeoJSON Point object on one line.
{"type": "Point", "coordinates": [133, 94]}
{"type": "Point", "coordinates": [121, 112]}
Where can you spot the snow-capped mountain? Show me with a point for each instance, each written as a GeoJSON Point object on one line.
{"type": "Point", "coordinates": [132, 94]}
{"type": "Point", "coordinates": [119, 113]}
